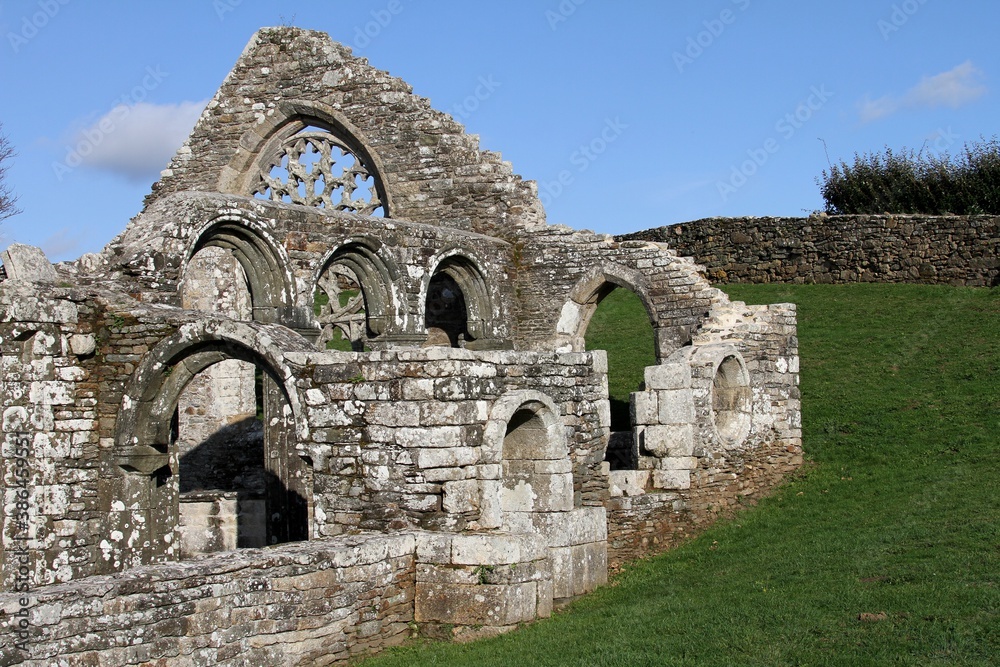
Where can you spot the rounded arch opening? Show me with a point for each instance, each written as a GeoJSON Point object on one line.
{"type": "Point", "coordinates": [536, 472]}
{"type": "Point", "coordinates": [264, 268]}
{"type": "Point", "coordinates": [354, 299]}
{"type": "Point", "coordinates": [458, 308]}
{"type": "Point", "coordinates": [239, 482]}
{"type": "Point", "coordinates": [620, 326]}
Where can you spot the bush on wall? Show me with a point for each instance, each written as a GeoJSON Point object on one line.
{"type": "Point", "coordinates": [912, 182]}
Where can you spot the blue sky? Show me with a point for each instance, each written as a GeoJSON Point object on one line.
{"type": "Point", "coordinates": [629, 115]}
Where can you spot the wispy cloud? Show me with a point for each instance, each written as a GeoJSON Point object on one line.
{"type": "Point", "coordinates": [954, 88]}
{"type": "Point", "coordinates": [61, 244]}
{"type": "Point", "coordinates": [136, 141]}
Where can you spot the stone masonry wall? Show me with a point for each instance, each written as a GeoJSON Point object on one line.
{"type": "Point", "coordinates": [397, 437]}
{"type": "Point", "coordinates": [434, 173]}
{"type": "Point", "coordinates": [66, 354]}
{"type": "Point", "coordinates": [311, 603]}
{"type": "Point", "coordinates": [650, 523]}
{"type": "Point", "coordinates": [953, 250]}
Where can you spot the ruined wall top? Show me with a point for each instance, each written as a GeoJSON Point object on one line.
{"type": "Point", "coordinates": [297, 105]}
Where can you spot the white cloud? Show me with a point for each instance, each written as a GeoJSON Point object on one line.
{"type": "Point", "coordinates": [954, 88]}
{"type": "Point", "coordinates": [61, 244]}
{"type": "Point", "coordinates": [136, 141]}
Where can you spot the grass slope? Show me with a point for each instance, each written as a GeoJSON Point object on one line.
{"type": "Point", "coordinates": [896, 517]}
{"type": "Point", "coordinates": [620, 327]}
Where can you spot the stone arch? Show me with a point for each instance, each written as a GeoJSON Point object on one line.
{"type": "Point", "coordinates": [267, 268]}
{"type": "Point", "coordinates": [144, 509]}
{"type": "Point", "coordinates": [475, 303]}
{"type": "Point", "coordinates": [288, 119]}
{"type": "Point", "coordinates": [588, 293]}
{"type": "Point", "coordinates": [378, 276]}
{"type": "Point", "coordinates": [525, 435]}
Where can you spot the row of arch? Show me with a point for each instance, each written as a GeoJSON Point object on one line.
{"type": "Point", "coordinates": [455, 279]}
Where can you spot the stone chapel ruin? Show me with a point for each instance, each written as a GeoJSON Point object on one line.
{"type": "Point", "coordinates": [190, 475]}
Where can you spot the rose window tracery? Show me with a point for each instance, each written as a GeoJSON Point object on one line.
{"type": "Point", "coordinates": [315, 168]}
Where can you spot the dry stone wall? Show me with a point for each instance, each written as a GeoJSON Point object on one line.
{"type": "Point", "coordinates": [951, 250]}
{"type": "Point", "coordinates": [314, 603]}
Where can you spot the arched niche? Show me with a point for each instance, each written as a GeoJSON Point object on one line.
{"type": "Point", "coordinates": [266, 268]}
{"type": "Point", "coordinates": [724, 394]}
{"type": "Point", "coordinates": [459, 308]}
{"type": "Point", "coordinates": [376, 310]}
{"type": "Point", "coordinates": [144, 506]}
{"type": "Point", "coordinates": [526, 436]}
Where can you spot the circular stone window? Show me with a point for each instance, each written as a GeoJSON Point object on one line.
{"type": "Point", "coordinates": [731, 401]}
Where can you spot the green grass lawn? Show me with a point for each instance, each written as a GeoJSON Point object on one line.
{"type": "Point", "coordinates": [621, 328]}
{"type": "Point", "coordinates": [896, 515]}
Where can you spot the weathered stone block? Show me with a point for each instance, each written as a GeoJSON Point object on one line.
{"type": "Point", "coordinates": [27, 263]}
{"type": "Point", "coordinates": [668, 440]}
{"type": "Point", "coordinates": [672, 479]}
{"type": "Point", "coordinates": [668, 376]}
{"type": "Point", "coordinates": [678, 463]}
{"type": "Point", "coordinates": [461, 496]}
{"type": "Point", "coordinates": [583, 525]}
{"type": "Point", "coordinates": [455, 457]}
{"type": "Point", "coordinates": [628, 482]}
{"type": "Point", "coordinates": [433, 547]}
{"type": "Point", "coordinates": [676, 406]}
{"type": "Point", "coordinates": [476, 605]}
{"type": "Point", "coordinates": [496, 549]}
{"type": "Point", "coordinates": [644, 407]}
{"type": "Point", "coordinates": [82, 344]}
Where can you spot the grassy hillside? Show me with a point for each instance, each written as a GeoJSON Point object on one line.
{"type": "Point", "coordinates": [621, 328]}
{"type": "Point", "coordinates": [895, 519]}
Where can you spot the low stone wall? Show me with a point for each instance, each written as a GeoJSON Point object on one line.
{"type": "Point", "coordinates": [953, 250]}
{"type": "Point", "coordinates": [648, 523]}
{"type": "Point", "coordinates": [310, 603]}
{"type": "Point", "coordinates": [314, 603]}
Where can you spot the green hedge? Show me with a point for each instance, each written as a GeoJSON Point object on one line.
{"type": "Point", "coordinates": [912, 182]}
